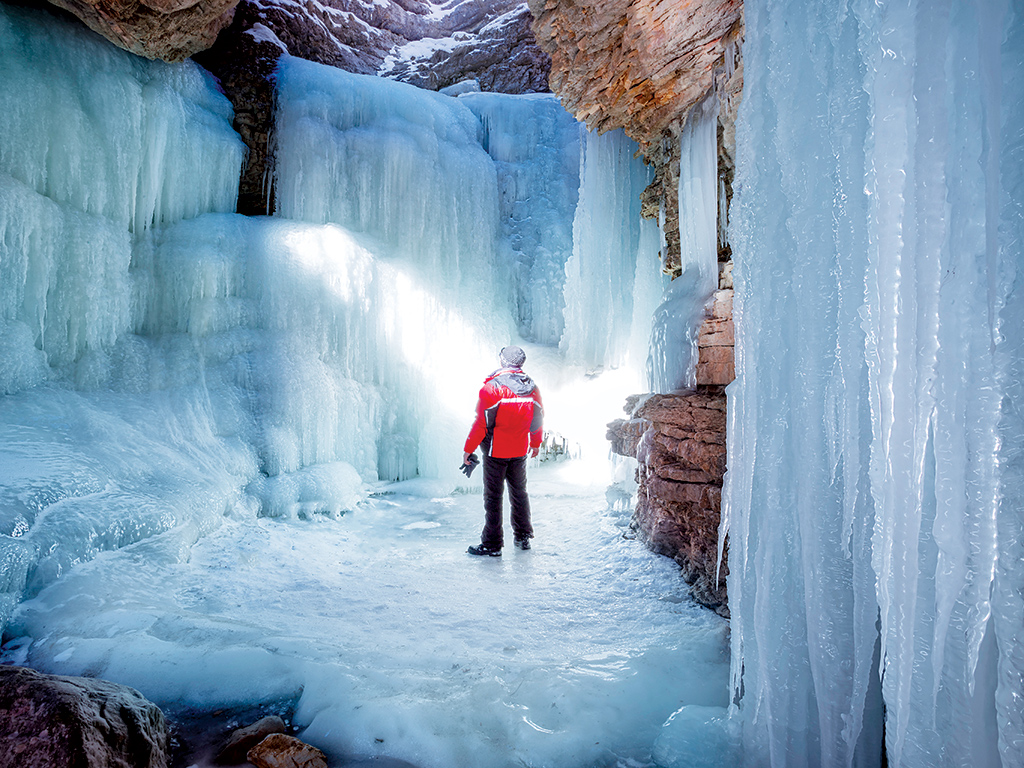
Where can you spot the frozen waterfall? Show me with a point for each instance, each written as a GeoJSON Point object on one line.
{"type": "Point", "coordinates": [874, 486]}
{"type": "Point", "coordinates": [167, 363]}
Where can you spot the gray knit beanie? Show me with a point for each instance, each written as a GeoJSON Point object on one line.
{"type": "Point", "coordinates": [512, 356]}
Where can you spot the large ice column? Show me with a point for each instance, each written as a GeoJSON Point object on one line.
{"type": "Point", "coordinates": [673, 356]}
{"type": "Point", "coordinates": [106, 145]}
{"type": "Point", "coordinates": [873, 448]}
{"type": "Point", "coordinates": [610, 240]}
{"type": "Point", "coordinates": [98, 147]}
{"type": "Point", "coordinates": [535, 144]}
{"type": "Point", "coordinates": [1007, 606]}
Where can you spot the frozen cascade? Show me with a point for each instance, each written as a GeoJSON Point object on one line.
{"type": "Point", "coordinates": [160, 148]}
{"type": "Point", "coordinates": [401, 165]}
{"type": "Point", "coordinates": [535, 144]}
{"type": "Point", "coordinates": [672, 363]}
{"type": "Point", "coordinates": [872, 499]}
{"type": "Point", "coordinates": [609, 241]}
{"type": "Point", "coordinates": [107, 146]}
{"type": "Point", "coordinates": [168, 366]}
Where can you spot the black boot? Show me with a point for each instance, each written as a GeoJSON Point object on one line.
{"type": "Point", "coordinates": [480, 549]}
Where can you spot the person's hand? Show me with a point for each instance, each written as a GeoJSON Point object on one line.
{"type": "Point", "coordinates": [534, 451]}
{"type": "Point", "coordinates": [465, 458]}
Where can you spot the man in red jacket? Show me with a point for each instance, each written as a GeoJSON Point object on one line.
{"type": "Point", "coordinates": [508, 426]}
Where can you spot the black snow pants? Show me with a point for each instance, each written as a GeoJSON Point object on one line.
{"type": "Point", "coordinates": [498, 472]}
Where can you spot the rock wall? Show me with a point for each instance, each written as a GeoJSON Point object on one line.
{"type": "Point", "coordinates": [642, 65]}
{"type": "Point", "coordinates": [678, 441]}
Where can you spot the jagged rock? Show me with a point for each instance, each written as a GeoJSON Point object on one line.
{"type": "Point", "coordinates": [244, 739]}
{"type": "Point", "coordinates": [77, 722]}
{"type": "Point", "coordinates": [625, 435]}
{"type": "Point", "coordinates": [280, 751]}
{"type": "Point", "coordinates": [681, 458]}
{"type": "Point", "coordinates": [503, 58]}
{"type": "Point", "coordinates": [489, 42]}
{"type": "Point", "coordinates": [171, 30]}
{"type": "Point", "coordinates": [244, 61]}
{"type": "Point", "coordinates": [634, 64]}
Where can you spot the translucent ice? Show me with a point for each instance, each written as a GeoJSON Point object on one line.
{"type": "Point", "coordinates": [876, 233]}
{"type": "Point", "coordinates": [157, 350]}
{"type": "Point", "coordinates": [610, 240]}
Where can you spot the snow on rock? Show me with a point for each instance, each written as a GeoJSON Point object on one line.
{"type": "Point", "coordinates": [430, 45]}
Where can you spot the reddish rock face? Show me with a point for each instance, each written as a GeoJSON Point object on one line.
{"type": "Point", "coordinates": [51, 720]}
{"type": "Point", "coordinates": [678, 441]}
{"type": "Point", "coordinates": [634, 64]}
{"type": "Point", "coordinates": [681, 459]}
{"type": "Point", "coordinates": [171, 30]}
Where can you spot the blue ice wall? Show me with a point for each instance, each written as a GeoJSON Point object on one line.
{"type": "Point", "coordinates": [873, 494]}
{"type": "Point", "coordinates": [166, 363]}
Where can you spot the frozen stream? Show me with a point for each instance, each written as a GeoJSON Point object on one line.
{"type": "Point", "coordinates": [571, 654]}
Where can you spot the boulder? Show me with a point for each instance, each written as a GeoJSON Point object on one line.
{"type": "Point", "coordinates": [280, 751]}
{"type": "Point", "coordinates": [76, 722]}
{"type": "Point", "coordinates": [171, 30]}
{"type": "Point", "coordinates": [244, 739]}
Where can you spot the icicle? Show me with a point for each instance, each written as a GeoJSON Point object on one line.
{"type": "Point", "coordinates": [673, 359]}
{"type": "Point", "coordinates": [866, 173]}
{"type": "Point", "coordinates": [606, 241]}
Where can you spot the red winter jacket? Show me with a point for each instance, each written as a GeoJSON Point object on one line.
{"type": "Point", "coordinates": [509, 415]}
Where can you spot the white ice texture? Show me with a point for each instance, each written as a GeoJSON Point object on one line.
{"type": "Point", "coordinates": [873, 499]}
{"type": "Point", "coordinates": [672, 362]}
{"type": "Point", "coordinates": [167, 365]}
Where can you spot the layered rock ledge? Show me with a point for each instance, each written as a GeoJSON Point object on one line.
{"type": "Point", "coordinates": [171, 30]}
{"type": "Point", "coordinates": [678, 441]}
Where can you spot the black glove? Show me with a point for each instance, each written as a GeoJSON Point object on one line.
{"type": "Point", "coordinates": [470, 465]}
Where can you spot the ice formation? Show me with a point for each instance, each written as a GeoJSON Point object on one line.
{"type": "Point", "coordinates": [167, 363]}
{"type": "Point", "coordinates": [672, 363]}
{"type": "Point", "coordinates": [609, 241]}
{"type": "Point", "coordinates": [192, 399]}
{"type": "Point", "coordinates": [874, 485]}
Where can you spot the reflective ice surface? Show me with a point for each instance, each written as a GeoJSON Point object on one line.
{"type": "Point", "coordinates": [395, 640]}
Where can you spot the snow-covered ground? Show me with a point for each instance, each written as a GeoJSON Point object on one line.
{"type": "Point", "coordinates": [393, 639]}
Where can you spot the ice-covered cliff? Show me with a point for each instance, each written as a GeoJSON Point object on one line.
{"type": "Point", "coordinates": [872, 496]}
{"type": "Point", "coordinates": [874, 450]}
{"type": "Point", "coordinates": [166, 362]}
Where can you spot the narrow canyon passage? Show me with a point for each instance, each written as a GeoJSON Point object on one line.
{"type": "Point", "coordinates": [392, 640]}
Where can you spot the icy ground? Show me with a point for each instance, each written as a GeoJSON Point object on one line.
{"type": "Point", "coordinates": [393, 639]}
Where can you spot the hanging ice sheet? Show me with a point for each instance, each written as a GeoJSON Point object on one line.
{"type": "Point", "coordinates": [874, 454]}
{"type": "Point", "coordinates": [535, 145]}
{"type": "Point", "coordinates": [612, 246]}
{"type": "Point", "coordinates": [98, 146]}
{"type": "Point", "coordinates": [672, 363]}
